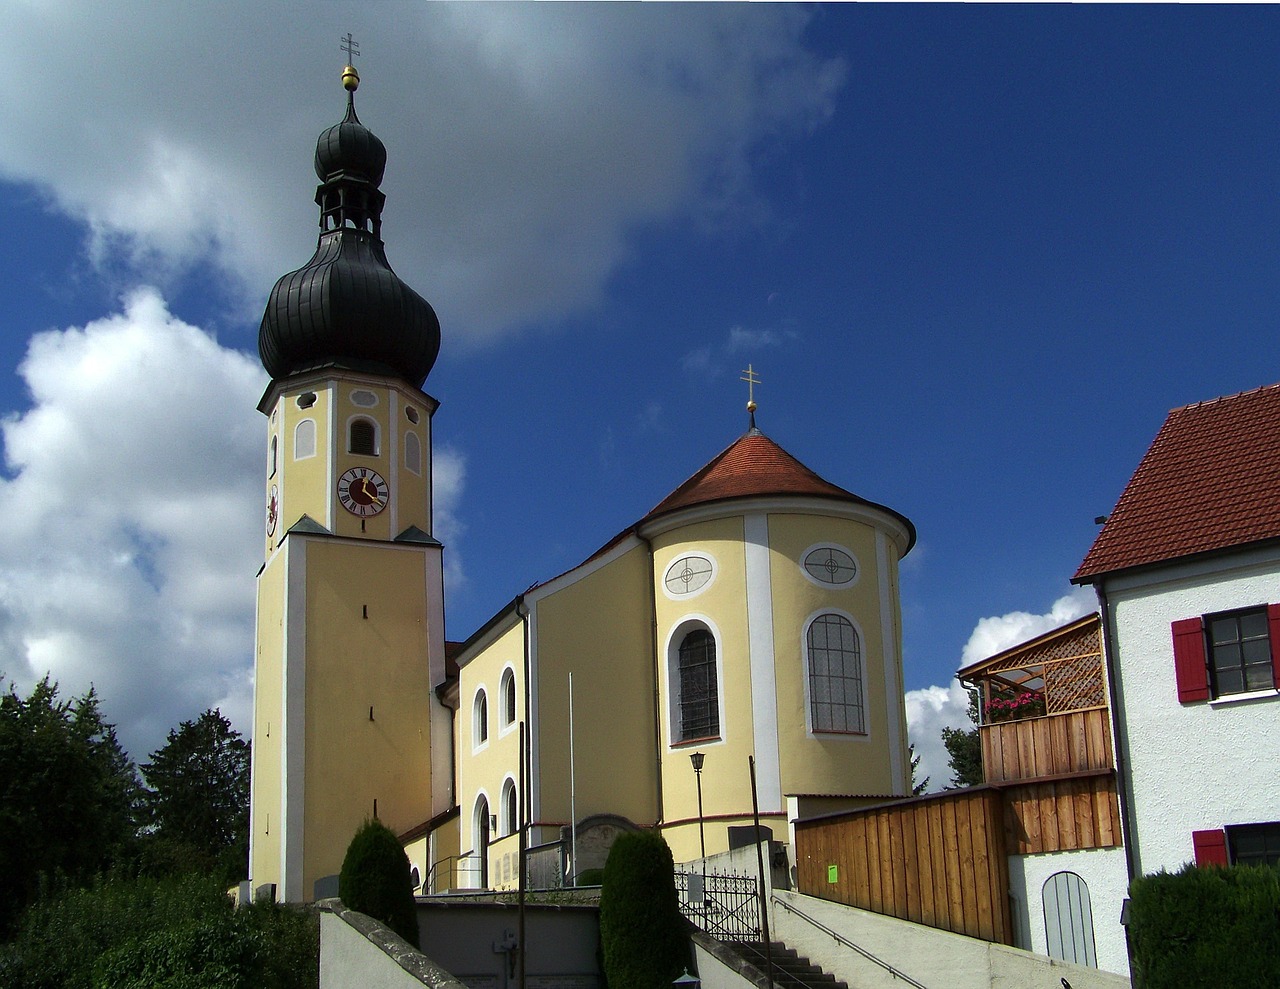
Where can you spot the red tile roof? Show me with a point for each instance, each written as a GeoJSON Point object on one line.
{"type": "Point", "coordinates": [754, 465]}
{"type": "Point", "coordinates": [1210, 481]}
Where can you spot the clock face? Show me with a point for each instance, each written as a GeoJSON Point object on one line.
{"type": "Point", "coordinates": [362, 491]}
{"type": "Point", "coordinates": [273, 510]}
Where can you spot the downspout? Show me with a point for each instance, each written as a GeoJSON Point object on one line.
{"type": "Point", "coordinates": [657, 675]}
{"type": "Point", "coordinates": [1118, 733]}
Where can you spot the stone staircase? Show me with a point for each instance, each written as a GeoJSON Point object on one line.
{"type": "Point", "coordinates": [790, 970]}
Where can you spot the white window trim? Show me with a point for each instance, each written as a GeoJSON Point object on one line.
{"type": "Point", "coordinates": [507, 727]}
{"type": "Point", "coordinates": [825, 585]}
{"type": "Point", "coordinates": [678, 631]}
{"type": "Point", "coordinates": [502, 816]}
{"type": "Point", "coordinates": [314, 442]}
{"type": "Point", "coordinates": [822, 734]}
{"type": "Point", "coordinates": [476, 744]}
{"type": "Point", "coordinates": [715, 572]}
{"type": "Point", "coordinates": [411, 433]}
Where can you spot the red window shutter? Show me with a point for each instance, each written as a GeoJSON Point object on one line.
{"type": "Point", "coordinates": [1273, 624]}
{"type": "Point", "coordinates": [1210, 846]}
{"type": "Point", "coordinates": [1188, 660]}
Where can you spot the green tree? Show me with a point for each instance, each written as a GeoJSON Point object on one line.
{"type": "Point", "coordinates": [197, 804]}
{"type": "Point", "coordinates": [920, 787]}
{"type": "Point", "coordinates": [965, 749]}
{"type": "Point", "coordinates": [642, 934]}
{"type": "Point", "coordinates": [375, 880]}
{"type": "Point", "coordinates": [68, 793]}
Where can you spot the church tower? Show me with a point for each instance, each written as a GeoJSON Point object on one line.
{"type": "Point", "coordinates": [350, 613]}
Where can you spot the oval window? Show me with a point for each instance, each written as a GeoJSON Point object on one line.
{"type": "Point", "coordinates": [830, 565]}
{"type": "Point", "coordinates": [688, 574]}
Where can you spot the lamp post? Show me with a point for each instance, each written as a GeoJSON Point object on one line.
{"type": "Point", "coordinates": [696, 758]}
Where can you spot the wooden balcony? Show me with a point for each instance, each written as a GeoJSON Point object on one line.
{"type": "Point", "coordinates": [1051, 745]}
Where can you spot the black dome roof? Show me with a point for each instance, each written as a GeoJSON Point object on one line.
{"type": "Point", "coordinates": [346, 307]}
{"type": "Point", "coordinates": [350, 148]}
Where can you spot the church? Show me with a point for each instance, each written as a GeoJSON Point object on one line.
{"type": "Point", "coordinates": [750, 621]}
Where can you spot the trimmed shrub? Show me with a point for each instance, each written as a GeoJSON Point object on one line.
{"type": "Point", "coordinates": [375, 880]}
{"type": "Point", "coordinates": [1215, 927]}
{"type": "Point", "coordinates": [643, 935]}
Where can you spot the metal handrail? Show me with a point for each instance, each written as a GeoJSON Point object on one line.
{"type": "Point", "coordinates": [849, 944]}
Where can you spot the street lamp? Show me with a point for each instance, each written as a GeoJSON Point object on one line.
{"type": "Point", "coordinates": [696, 758]}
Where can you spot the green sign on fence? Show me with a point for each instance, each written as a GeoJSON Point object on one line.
{"type": "Point", "coordinates": [833, 874]}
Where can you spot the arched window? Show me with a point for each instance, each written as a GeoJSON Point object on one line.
{"type": "Point", "coordinates": [413, 452]}
{"type": "Point", "coordinates": [508, 691]}
{"type": "Point", "coordinates": [363, 437]}
{"type": "Point", "coordinates": [480, 717]}
{"type": "Point", "coordinates": [271, 458]}
{"type": "Point", "coordinates": [835, 676]}
{"type": "Point", "coordinates": [304, 439]}
{"type": "Point", "coordinates": [481, 830]}
{"type": "Point", "coordinates": [699, 697]}
{"type": "Point", "coordinates": [510, 808]}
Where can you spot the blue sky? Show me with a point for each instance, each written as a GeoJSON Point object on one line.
{"type": "Point", "coordinates": [975, 253]}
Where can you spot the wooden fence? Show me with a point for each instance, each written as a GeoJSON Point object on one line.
{"type": "Point", "coordinates": [938, 860]}
{"type": "Point", "coordinates": [1062, 815]}
{"type": "Point", "coordinates": [1077, 741]}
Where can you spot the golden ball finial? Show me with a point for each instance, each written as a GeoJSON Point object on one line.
{"type": "Point", "coordinates": [751, 406]}
{"type": "Point", "coordinates": [350, 79]}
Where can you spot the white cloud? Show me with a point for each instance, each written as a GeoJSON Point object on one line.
{"type": "Point", "coordinates": [929, 711]}
{"type": "Point", "coordinates": [448, 477]}
{"type": "Point", "coordinates": [525, 142]}
{"type": "Point", "coordinates": [995, 634]}
{"type": "Point", "coordinates": [132, 491]}
{"type": "Point", "coordinates": [712, 360]}
{"type": "Point", "coordinates": [132, 502]}
{"type": "Point", "coordinates": [742, 339]}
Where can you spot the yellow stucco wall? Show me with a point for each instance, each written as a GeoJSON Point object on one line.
{"type": "Point", "coordinates": [267, 719]}
{"type": "Point", "coordinates": [485, 766]}
{"type": "Point", "coordinates": [599, 627]}
{"type": "Point", "coordinates": [722, 606]}
{"type": "Point", "coordinates": [355, 664]}
{"type": "Point", "coordinates": [822, 762]}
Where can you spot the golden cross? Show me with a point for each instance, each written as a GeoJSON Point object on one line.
{"type": "Point", "coordinates": [752, 379]}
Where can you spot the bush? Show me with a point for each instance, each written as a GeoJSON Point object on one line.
{"type": "Point", "coordinates": [1206, 927]}
{"type": "Point", "coordinates": [172, 933]}
{"type": "Point", "coordinates": [375, 880]}
{"type": "Point", "coordinates": [642, 932]}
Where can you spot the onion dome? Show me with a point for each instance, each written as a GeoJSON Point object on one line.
{"type": "Point", "coordinates": [346, 307]}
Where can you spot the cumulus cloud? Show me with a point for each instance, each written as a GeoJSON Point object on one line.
{"type": "Point", "coordinates": [132, 491]}
{"type": "Point", "coordinates": [132, 499]}
{"type": "Point", "coordinates": [526, 142]}
{"type": "Point", "coordinates": [931, 709]}
{"type": "Point", "coordinates": [995, 634]}
{"type": "Point", "coordinates": [928, 712]}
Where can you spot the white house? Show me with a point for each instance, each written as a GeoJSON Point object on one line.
{"type": "Point", "coordinates": [1187, 571]}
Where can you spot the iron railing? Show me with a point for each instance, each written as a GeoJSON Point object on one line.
{"type": "Point", "coordinates": [725, 907]}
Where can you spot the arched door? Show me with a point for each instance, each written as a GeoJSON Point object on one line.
{"type": "Point", "coordinates": [1068, 919]}
{"type": "Point", "coordinates": [482, 840]}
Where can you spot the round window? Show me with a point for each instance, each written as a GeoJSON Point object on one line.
{"type": "Point", "coordinates": [830, 565]}
{"type": "Point", "coordinates": [688, 574]}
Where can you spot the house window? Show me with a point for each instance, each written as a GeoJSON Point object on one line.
{"type": "Point", "coordinates": [363, 437]}
{"type": "Point", "coordinates": [1254, 844]}
{"type": "Point", "coordinates": [1239, 651]}
{"type": "Point", "coordinates": [699, 702]}
{"type": "Point", "coordinates": [510, 806]}
{"type": "Point", "coordinates": [480, 718]}
{"type": "Point", "coordinates": [1231, 652]}
{"type": "Point", "coordinates": [508, 691]}
{"type": "Point", "coordinates": [304, 439]}
{"type": "Point", "coordinates": [835, 676]}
